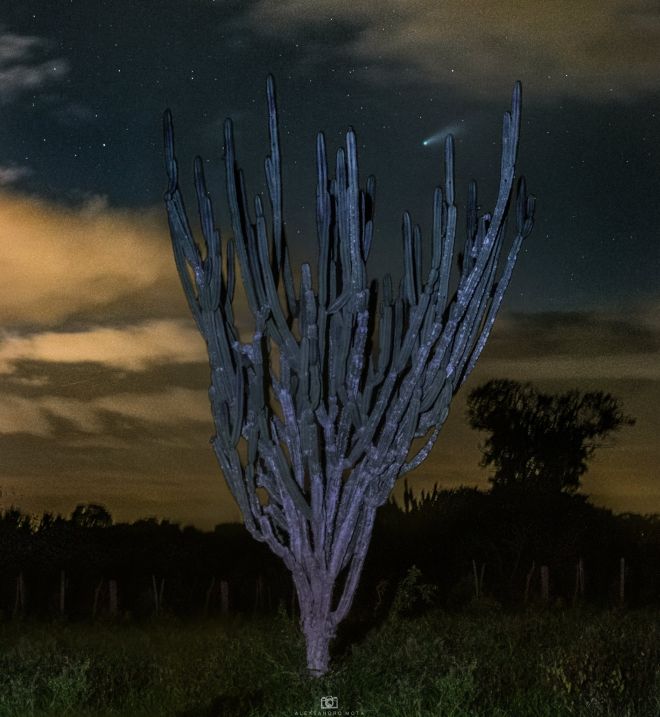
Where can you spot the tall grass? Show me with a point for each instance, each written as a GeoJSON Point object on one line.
{"type": "Point", "coordinates": [477, 662]}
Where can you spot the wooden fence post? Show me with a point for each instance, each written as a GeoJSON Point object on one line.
{"type": "Point", "coordinates": [155, 594]}
{"type": "Point", "coordinates": [62, 592]}
{"type": "Point", "coordinates": [207, 600]}
{"type": "Point", "coordinates": [224, 597]}
{"type": "Point", "coordinates": [19, 600]}
{"type": "Point", "coordinates": [545, 583]}
{"type": "Point", "coordinates": [97, 595]}
{"type": "Point", "coordinates": [478, 579]}
{"type": "Point", "coordinates": [160, 593]}
{"type": "Point", "coordinates": [578, 594]}
{"type": "Point", "coordinates": [528, 581]}
{"type": "Point", "coordinates": [112, 602]}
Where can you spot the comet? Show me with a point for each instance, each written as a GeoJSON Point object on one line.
{"type": "Point", "coordinates": [441, 134]}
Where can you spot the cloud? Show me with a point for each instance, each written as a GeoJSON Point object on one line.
{"type": "Point", "coordinates": [601, 48]}
{"type": "Point", "coordinates": [92, 264]}
{"type": "Point", "coordinates": [58, 261]}
{"type": "Point", "coordinates": [587, 333]}
{"type": "Point", "coordinates": [9, 174]}
{"type": "Point", "coordinates": [20, 71]}
{"type": "Point", "coordinates": [22, 415]}
{"type": "Point", "coordinates": [130, 347]}
{"type": "Point", "coordinates": [177, 405]}
{"type": "Point", "coordinates": [636, 367]}
{"type": "Point", "coordinates": [81, 414]}
{"type": "Point", "coordinates": [17, 47]}
{"type": "Point", "coordinates": [576, 345]}
{"type": "Point", "coordinates": [40, 416]}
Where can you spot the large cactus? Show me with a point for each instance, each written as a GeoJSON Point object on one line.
{"type": "Point", "coordinates": [328, 430]}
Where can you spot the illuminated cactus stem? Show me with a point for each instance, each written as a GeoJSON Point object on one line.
{"type": "Point", "coordinates": [326, 424]}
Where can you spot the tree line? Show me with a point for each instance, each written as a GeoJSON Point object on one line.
{"type": "Point", "coordinates": [446, 534]}
{"type": "Point", "coordinates": [468, 543]}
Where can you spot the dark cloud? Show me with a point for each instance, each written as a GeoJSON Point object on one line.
{"type": "Point", "coordinates": [599, 48]}
{"type": "Point", "coordinates": [577, 334]}
{"type": "Point", "coordinates": [91, 380]}
{"type": "Point", "coordinates": [13, 173]}
{"type": "Point", "coordinates": [20, 67]}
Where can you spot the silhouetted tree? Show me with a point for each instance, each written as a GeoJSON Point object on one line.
{"type": "Point", "coordinates": [539, 441]}
{"type": "Point", "coordinates": [91, 516]}
{"type": "Point", "coordinates": [327, 434]}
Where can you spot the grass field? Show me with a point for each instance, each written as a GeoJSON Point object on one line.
{"type": "Point", "coordinates": [481, 661]}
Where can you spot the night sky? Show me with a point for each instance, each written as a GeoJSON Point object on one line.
{"type": "Point", "coordinates": [103, 377]}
